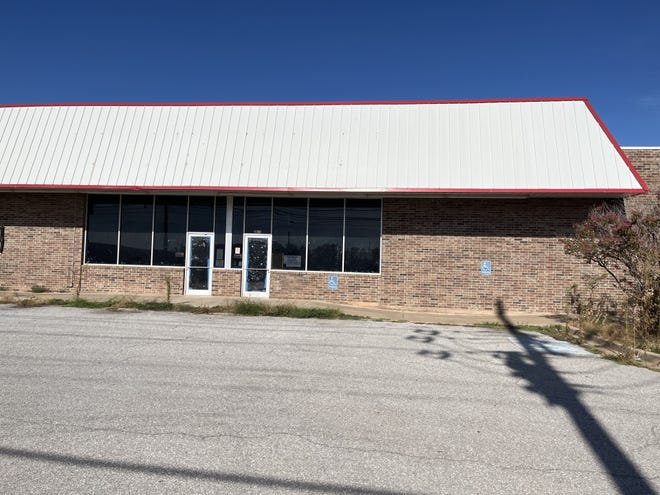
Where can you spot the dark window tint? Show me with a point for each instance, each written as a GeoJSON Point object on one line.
{"type": "Point", "coordinates": [289, 228]}
{"type": "Point", "coordinates": [362, 238]}
{"type": "Point", "coordinates": [237, 232]}
{"type": "Point", "coordinates": [220, 227]}
{"type": "Point", "coordinates": [200, 214]}
{"type": "Point", "coordinates": [326, 218]}
{"type": "Point", "coordinates": [257, 215]}
{"type": "Point", "coordinates": [102, 228]}
{"type": "Point", "coordinates": [170, 230]}
{"type": "Point", "coordinates": [135, 237]}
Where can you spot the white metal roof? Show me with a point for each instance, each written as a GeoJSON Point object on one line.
{"type": "Point", "coordinates": [535, 146]}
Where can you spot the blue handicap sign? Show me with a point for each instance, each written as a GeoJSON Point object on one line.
{"type": "Point", "coordinates": [486, 267]}
{"type": "Point", "coordinates": [333, 282]}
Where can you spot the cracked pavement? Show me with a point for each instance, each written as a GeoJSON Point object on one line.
{"type": "Point", "coordinates": [99, 401]}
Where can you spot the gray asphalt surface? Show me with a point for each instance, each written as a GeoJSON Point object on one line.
{"type": "Point", "coordinates": [96, 401]}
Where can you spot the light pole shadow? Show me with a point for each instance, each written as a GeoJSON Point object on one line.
{"type": "Point", "coordinates": [544, 380]}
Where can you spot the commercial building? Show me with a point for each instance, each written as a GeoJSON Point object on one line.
{"type": "Point", "coordinates": [418, 204]}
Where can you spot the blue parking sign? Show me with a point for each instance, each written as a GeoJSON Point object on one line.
{"type": "Point", "coordinates": [486, 267]}
{"type": "Point", "coordinates": [333, 282]}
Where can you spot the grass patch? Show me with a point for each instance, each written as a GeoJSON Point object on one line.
{"type": "Point", "coordinates": [245, 308]}
{"type": "Point", "coordinates": [251, 308]}
{"type": "Point", "coordinates": [38, 289]}
{"type": "Point", "coordinates": [81, 303]}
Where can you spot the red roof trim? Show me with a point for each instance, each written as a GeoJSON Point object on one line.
{"type": "Point", "coordinates": [642, 183]}
{"type": "Point", "coordinates": [411, 190]}
{"type": "Point", "coordinates": [293, 103]}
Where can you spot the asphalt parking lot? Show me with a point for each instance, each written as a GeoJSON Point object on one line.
{"type": "Point", "coordinates": [99, 401]}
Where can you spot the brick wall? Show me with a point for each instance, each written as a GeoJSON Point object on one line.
{"type": "Point", "coordinates": [129, 279]}
{"type": "Point", "coordinates": [647, 163]}
{"type": "Point", "coordinates": [43, 240]}
{"type": "Point", "coordinates": [352, 288]}
{"type": "Point", "coordinates": [432, 249]}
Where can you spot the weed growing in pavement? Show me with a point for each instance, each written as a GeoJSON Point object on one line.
{"type": "Point", "coordinates": [27, 302]}
{"type": "Point", "coordinates": [168, 288]}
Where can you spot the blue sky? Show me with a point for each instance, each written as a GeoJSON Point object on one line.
{"type": "Point", "coordinates": [249, 50]}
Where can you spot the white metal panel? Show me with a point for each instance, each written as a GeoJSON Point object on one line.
{"type": "Point", "coordinates": [508, 146]}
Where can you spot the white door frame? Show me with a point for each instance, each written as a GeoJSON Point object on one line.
{"type": "Point", "coordinates": [245, 267]}
{"type": "Point", "coordinates": [199, 292]}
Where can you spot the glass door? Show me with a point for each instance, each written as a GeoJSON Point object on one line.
{"type": "Point", "coordinates": [256, 265]}
{"type": "Point", "coordinates": [199, 263]}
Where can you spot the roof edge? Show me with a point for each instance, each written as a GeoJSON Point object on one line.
{"type": "Point", "coordinates": [295, 103]}
{"type": "Point", "coordinates": [255, 189]}
{"type": "Point", "coordinates": [638, 177]}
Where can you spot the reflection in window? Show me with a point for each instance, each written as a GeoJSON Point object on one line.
{"type": "Point", "coordinates": [362, 241]}
{"type": "Point", "coordinates": [170, 219]}
{"type": "Point", "coordinates": [289, 229]}
{"type": "Point", "coordinates": [332, 230]}
{"type": "Point", "coordinates": [220, 227]}
{"type": "Point", "coordinates": [102, 228]}
{"type": "Point", "coordinates": [326, 218]}
{"type": "Point", "coordinates": [238, 216]}
{"type": "Point", "coordinates": [200, 214]}
{"type": "Point", "coordinates": [136, 225]}
{"type": "Point", "coordinates": [257, 215]}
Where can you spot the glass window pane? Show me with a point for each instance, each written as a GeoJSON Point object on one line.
{"type": "Point", "coordinates": [135, 237]}
{"type": "Point", "coordinates": [362, 242]}
{"type": "Point", "coordinates": [237, 232]}
{"type": "Point", "coordinates": [256, 281]}
{"type": "Point", "coordinates": [170, 230]}
{"type": "Point", "coordinates": [198, 278]}
{"type": "Point", "coordinates": [289, 229]}
{"type": "Point", "coordinates": [200, 214]}
{"type": "Point", "coordinates": [102, 228]}
{"type": "Point", "coordinates": [257, 215]}
{"type": "Point", "coordinates": [257, 255]}
{"type": "Point", "coordinates": [326, 219]}
{"type": "Point", "coordinates": [220, 228]}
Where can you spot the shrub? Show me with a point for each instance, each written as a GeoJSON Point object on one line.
{"type": "Point", "coordinates": [628, 249]}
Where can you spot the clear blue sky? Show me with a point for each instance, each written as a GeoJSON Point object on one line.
{"type": "Point", "coordinates": [322, 50]}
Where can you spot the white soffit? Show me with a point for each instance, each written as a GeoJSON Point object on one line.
{"type": "Point", "coordinates": [553, 146]}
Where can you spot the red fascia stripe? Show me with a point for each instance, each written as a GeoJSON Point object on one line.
{"type": "Point", "coordinates": [119, 188]}
{"type": "Point", "coordinates": [642, 183]}
{"type": "Point", "coordinates": [295, 103]}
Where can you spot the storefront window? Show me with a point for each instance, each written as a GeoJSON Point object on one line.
{"type": "Point", "coordinates": [362, 241]}
{"type": "Point", "coordinates": [326, 219]}
{"type": "Point", "coordinates": [135, 230]}
{"type": "Point", "coordinates": [289, 233]}
{"type": "Point", "coordinates": [318, 234]}
{"type": "Point", "coordinates": [170, 217]}
{"type": "Point", "coordinates": [200, 214]}
{"type": "Point", "coordinates": [102, 228]}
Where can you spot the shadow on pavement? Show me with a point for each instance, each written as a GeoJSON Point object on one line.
{"type": "Point", "coordinates": [199, 474]}
{"type": "Point", "coordinates": [544, 380]}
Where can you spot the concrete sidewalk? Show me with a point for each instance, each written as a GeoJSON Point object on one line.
{"type": "Point", "coordinates": [415, 315]}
